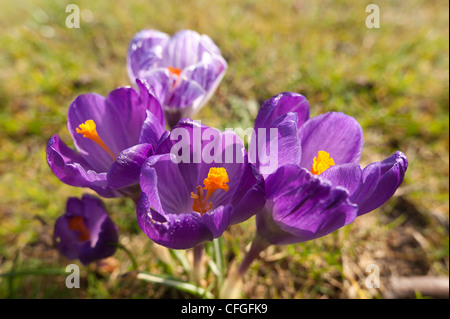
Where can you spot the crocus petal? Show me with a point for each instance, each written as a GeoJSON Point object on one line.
{"type": "Point", "coordinates": [68, 245]}
{"type": "Point", "coordinates": [218, 220]}
{"type": "Point", "coordinates": [208, 45]}
{"type": "Point", "coordinates": [186, 94]}
{"type": "Point", "coordinates": [125, 169]}
{"type": "Point", "coordinates": [207, 73]}
{"type": "Point", "coordinates": [249, 197]}
{"type": "Point", "coordinates": [70, 167]}
{"type": "Point", "coordinates": [181, 50]}
{"type": "Point", "coordinates": [180, 97]}
{"type": "Point", "coordinates": [176, 231]}
{"type": "Point", "coordinates": [144, 51]}
{"type": "Point", "coordinates": [345, 175]}
{"type": "Point", "coordinates": [285, 112]}
{"type": "Point", "coordinates": [189, 175]}
{"type": "Point", "coordinates": [125, 116]}
{"type": "Point", "coordinates": [379, 182]}
{"type": "Point", "coordinates": [310, 208]}
{"type": "Point", "coordinates": [281, 104]}
{"type": "Point", "coordinates": [338, 134]}
{"type": "Point", "coordinates": [106, 244]}
{"type": "Point", "coordinates": [103, 231]}
{"type": "Point", "coordinates": [272, 153]}
{"type": "Point", "coordinates": [90, 106]}
{"type": "Point", "coordinates": [188, 134]}
{"type": "Point", "coordinates": [160, 82]}
{"type": "Point", "coordinates": [164, 185]}
{"type": "Point", "coordinates": [119, 119]}
{"type": "Point", "coordinates": [152, 130]}
{"type": "Point", "coordinates": [92, 210]}
{"type": "Point", "coordinates": [151, 102]}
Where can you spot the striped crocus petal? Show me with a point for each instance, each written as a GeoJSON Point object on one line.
{"type": "Point", "coordinates": [183, 71]}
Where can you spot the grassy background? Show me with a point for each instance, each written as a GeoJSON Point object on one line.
{"type": "Point", "coordinates": [394, 80]}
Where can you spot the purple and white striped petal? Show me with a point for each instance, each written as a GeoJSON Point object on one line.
{"type": "Point", "coordinates": [145, 51]}
{"type": "Point", "coordinates": [183, 71]}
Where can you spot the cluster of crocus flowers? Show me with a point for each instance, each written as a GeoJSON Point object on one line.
{"type": "Point", "coordinates": [183, 70]}
{"type": "Point", "coordinates": [191, 182]}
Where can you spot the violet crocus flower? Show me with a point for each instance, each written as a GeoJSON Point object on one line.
{"type": "Point", "coordinates": [323, 188]}
{"type": "Point", "coordinates": [318, 186]}
{"type": "Point", "coordinates": [85, 231]}
{"type": "Point", "coordinates": [183, 70]}
{"type": "Point", "coordinates": [197, 186]}
{"type": "Point", "coordinates": [113, 136]}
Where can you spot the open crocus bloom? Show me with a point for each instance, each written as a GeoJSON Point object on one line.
{"type": "Point", "coordinates": [183, 70]}
{"type": "Point", "coordinates": [113, 136]}
{"type": "Point", "coordinates": [186, 201]}
{"type": "Point", "coordinates": [324, 188]}
{"type": "Point", "coordinates": [85, 231]}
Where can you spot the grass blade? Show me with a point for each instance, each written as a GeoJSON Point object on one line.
{"type": "Point", "coordinates": [34, 272]}
{"type": "Point", "coordinates": [170, 282]}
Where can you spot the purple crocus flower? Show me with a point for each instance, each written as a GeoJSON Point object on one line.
{"type": "Point", "coordinates": [196, 186]}
{"type": "Point", "coordinates": [113, 136]}
{"type": "Point", "coordinates": [85, 231]}
{"type": "Point", "coordinates": [183, 70]}
{"type": "Point", "coordinates": [318, 185]}
{"type": "Point", "coordinates": [322, 187]}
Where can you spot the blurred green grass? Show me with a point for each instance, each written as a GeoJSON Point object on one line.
{"type": "Point", "coordinates": [393, 80]}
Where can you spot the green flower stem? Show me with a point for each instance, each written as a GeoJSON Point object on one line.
{"type": "Point", "coordinates": [198, 268]}
{"type": "Point", "coordinates": [258, 245]}
{"type": "Point", "coordinates": [134, 264]}
{"type": "Point", "coordinates": [232, 285]}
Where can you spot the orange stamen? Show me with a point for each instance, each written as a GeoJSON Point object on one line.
{"type": "Point", "coordinates": [217, 179]}
{"type": "Point", "coordinates": [77, 223]}
{"type": "Point", "coordinates": [88, 129]}
{"type": "Point", "coordinates": [175, 71]}
{"type": "Point", "coordinates": [321, 163]}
